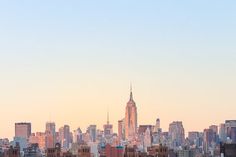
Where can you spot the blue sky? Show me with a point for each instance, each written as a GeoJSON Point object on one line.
{"type": "Point", "coordinates": [177, 54]}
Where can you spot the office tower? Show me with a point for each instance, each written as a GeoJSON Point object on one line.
{"type": "Point", "coordinates": [194, 138]}
{"type": "Point", "coordinates": [33, 139]}
{"type": "Point", "coordinates": [176, 134]}
{"type": "Point", "coordinates": [58, 137]}
{"type": "Point", "coordinates": [92, 130]}
{"type": "Point", "coordinates": [65, 136]}
{"type": "Point", "coordinates": [156, 138]}
{"type": "Point", "coordinates": [108, 128]}
{"type": "Point", "coordinates": [147, 141]}
{"type": "Point", "coordinates": [214, 128]}
{"type": "Point", "coordinates": [156, 135]}
{"type": "Point", "coordinates": [71, 138]}
{"type": "Point", "coordinates": [87, 137]}
{"type": "Point", "coordinates": [50, 134]}
{"type": "Point", "coordinates": [61, 135]}
{"type": "Point", "coordinates": [230, 128]}
{"type": "Point", "coordinates": [208, 137]}
{"type": "Point", "coordinates": [157, 125]}
{"type": "Point", "coordinates": [130, 118]}
{"type": "Point", "coordinates": [51, 127]}
{"type": "Point", "coordinates": [41, 139]}
{"type": "Point", "coordinates": [23, 130]}
{"type": "Point", "coordinates": [145, 135]}
{"type": "Point", "coordinates": [121, 129]}
{"type": "Point", "coordinates": [49, 140]}
{"type": "Point", "coordinates": [222, 133]}
{"type": "Point", "coordinates": [77, 136]}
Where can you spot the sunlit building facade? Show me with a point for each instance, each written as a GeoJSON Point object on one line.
{"type": "Point", "coordinates": [176, 134]}
{"type": "Point", "coordinates": [130, 118]}
{"type": "Point", "coordinates": [23, 130]}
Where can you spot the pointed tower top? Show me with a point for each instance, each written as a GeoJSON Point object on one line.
{"type": "Point", "coordinates": [131, 94]}
{"type": "Point", "coordinates": [130, 87]}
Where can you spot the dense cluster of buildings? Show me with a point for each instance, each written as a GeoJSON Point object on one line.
{"type": "Point", "coordinates": [131, 140]}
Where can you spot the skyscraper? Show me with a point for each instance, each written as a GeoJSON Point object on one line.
{"type": "Point", "coordinates": [194, 138]}
{"type": "Point", "coordinates": [208, 136]}
{"type": "Point", "coordinates": [176, 133]}
{"type": "Point", "coordinates": [51, 127]}
{"type": "Point", "coordinates": [157, 126]}
{"type": "Point", "coordinates": [23, 130]}
{"type": "Point", "coordinates": [214, 128]}
{"type": "Point", "coordinates": [41, 139]}
{"type": "Point", "coordinates": [222, 132]}
{"type": "Point", "coordinates": [50, 133]}
{"type": "Point", "coordinates": [108, 128]}
{"type": "Point", "coordinates": [92, 129]}
{"type": "Point", "coordinates": [130, 118]}
{"type": "Point", "coordinates": [67, 139]}
{"type": "Point", "coordinates": [230, 128]}
{"type": "Point", "coordinates": [77, 136]}
{"type": "Point", "coordinates": [64, 136]}
{"type": "Point", "coordinates": [121, 129]}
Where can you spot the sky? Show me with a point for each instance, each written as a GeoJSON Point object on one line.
{"type": "Point", "coordinates": [72, 61]}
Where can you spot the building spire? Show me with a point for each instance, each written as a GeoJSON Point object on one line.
{"type": "Point", "coordinates": [131, 94]}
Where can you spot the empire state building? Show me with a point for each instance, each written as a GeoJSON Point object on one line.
{"type": "Point", "coordinates": [130, 118]}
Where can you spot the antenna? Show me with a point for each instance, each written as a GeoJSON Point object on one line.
{"type": "Point", "coordinates": [130, 86]}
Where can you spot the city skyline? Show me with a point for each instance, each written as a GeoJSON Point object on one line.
{"type": "Point", "coordinates": [69, 62]}
{"type": "Point", "coordinates": [107, 122]}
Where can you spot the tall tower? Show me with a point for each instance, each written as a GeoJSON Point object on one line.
{"type": "Point", "coordinates": [50, 134]}
{"type": "Point", "coordinates": [176, 134]}
{"type": "Point", "coordinates": [23, 130]}
{"type": "Point", "coordinates": [121, 129]}
{"type": "Point", "coordinates": [108, 128]}
{"type": "Point", "coordinates": [66, 136]}
{"type": "Point", "coordinates": [130, 118]}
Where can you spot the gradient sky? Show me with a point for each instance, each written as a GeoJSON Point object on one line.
{"type": "Point", "coordinates": [69, 61]}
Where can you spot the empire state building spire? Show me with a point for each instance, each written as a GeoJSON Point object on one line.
{"type": "Point", "coordinates": [131, 94]}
